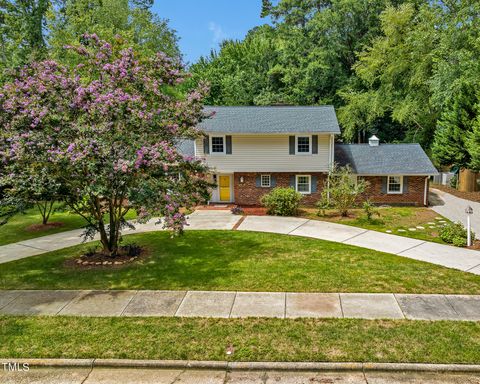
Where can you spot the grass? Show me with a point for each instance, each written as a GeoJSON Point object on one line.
{"type": "Point", "coordinates": [234, 260]}
{"type": "Point", "coordinates": [17, 228]}
{"type": "Point", "coordinates": [391, 218]}
{"type": "Point", "coordinates": [252, 339]}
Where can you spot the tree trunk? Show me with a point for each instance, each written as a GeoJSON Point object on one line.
{"type": "Point", "coordinates": [109, 239]}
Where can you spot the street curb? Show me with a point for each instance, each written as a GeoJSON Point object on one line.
{"type": "Point", "coordinates": [244, 366]}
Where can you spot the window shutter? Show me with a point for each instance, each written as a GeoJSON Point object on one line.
{"type": "Point", "coordinates": [273, 181]}
{"type": "Point", "coordinates": [206, 145]}
{"type": "Point", "coordinates": [258, 182]}
{"type": "Point", "coordinates": [291, 145]}
{"type": "Point", "coordinates": [313, 187]}
{"type": "Point", "coordinates": [228, 140]}
{"type": "Point", "coordinates": [292, 181]}
{"type": "Point", "coordinates": [315, 144]}
{"type": "Point", "coordinates": [384, 184]}
{"type": "Point", "coordinates": [405, 184]}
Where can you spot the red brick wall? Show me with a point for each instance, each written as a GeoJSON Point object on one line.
{"type": "Point", "coordinates": [247, 193]}
{"type": "Point", "coordinates": [414, 196]}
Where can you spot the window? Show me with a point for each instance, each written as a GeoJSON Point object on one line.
{"type": "Point", "coordinates": [303, 145]}
{"type": "Point", "coordinates": [303, 184]}
{"type": "Point", "coordinates": [218, 144]}
{"type": "Point", "coordinates": [394, 184]}
{"type": "Point", "coordinates": [265, 181]}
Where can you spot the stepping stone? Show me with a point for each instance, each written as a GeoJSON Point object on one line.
{"type": "Point", "coordinates": [412, 229]}
{"type": "Point", "coordinates": [438, 218]}
{"type": "Point", "coordinates": [442, 221]}
{"type": "Point", "coordinates": [431, 223]}
{"type": "Point", "coordinates": [431, 226]}
{"type": "Point", "coordinates": [420, 227]}
{"type": "Point", "coordinates": [388, 231]}
{"type": "Point", "coordinates": [401, 230]}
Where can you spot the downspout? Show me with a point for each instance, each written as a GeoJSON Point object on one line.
{"type": "Point", "coordinates": [332, 143]}
{"type": "Point", "coordinates": [425, 192]}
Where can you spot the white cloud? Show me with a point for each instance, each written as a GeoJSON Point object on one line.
{"type": "Point", "coordinates": [218, 34]}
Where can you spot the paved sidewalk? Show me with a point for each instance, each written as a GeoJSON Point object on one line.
{"type": "Point", "coordinates": [105, 375]}
{"type": "Point", "coordinates": [231, 304]}
{"type": "Point", "coordinates": [453, 208]}
{"type": "Point", "coordinates": [466, 260]}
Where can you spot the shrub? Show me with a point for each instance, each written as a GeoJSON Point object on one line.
{"type": "Point", "coordinates": [341, 190]}
{"type": "Point", "coordinates": [282, 201]}
{"type": "Point", "coordinates": [370, 210]}
{"type": "Point", "coordinates": [455, 233]}
{"type": "Point", "coordinates": [237, 210]}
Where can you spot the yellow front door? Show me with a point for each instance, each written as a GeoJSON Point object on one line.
{"type": "Point", "coordinates": [224, 188]}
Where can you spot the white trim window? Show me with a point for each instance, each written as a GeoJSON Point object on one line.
{"type": "Point", "coordinates": [217, 145]}
{"type": "Point", "coordinates": [265, 181]}
{"type": "Point", "coordinates": [303, 184]}
{"type": "Point", "coordinates": [394, 185]}
{"type": "Point", "coordinates": [303, 145]}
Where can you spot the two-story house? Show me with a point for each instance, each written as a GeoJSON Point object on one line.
{"type": "Point", "coordinates": [251, 150]}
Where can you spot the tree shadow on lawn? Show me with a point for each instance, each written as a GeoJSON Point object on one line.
{"type": "Point", "coordinates": [237, 260]}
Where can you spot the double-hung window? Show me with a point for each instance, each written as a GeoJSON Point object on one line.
{"type": "Point", "coordinates": [218, 144]}
{"type": "Point", "coordinates": [303, 145]}
{"type": "Point", "coordinates": [265, 181]}
{"type": "Point", "coordinates": [394, 184]}
{"type": "Point", "coordinates": [303, 184]}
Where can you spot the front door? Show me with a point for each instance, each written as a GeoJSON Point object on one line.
{"type": "Point", "coordinates": [224, 188]}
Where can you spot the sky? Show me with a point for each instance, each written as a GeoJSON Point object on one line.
{"type": "Point", "coordinates": [203, 24]}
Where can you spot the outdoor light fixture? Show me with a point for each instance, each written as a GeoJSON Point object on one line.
{"type": "Point", "coordinates": [469, 212]}
{"type": "Point", "coordinates": [241, 179]}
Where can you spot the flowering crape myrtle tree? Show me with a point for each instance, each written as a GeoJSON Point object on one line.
{"type": "Point", "coordinates": [107, 131]}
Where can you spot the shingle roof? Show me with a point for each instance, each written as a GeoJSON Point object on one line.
{"type": "Point", "coordinates": [385, 159]}
{"type": "Point", "coordinates": [186, 147]}
{"type": "Point", "coordinates": [275, 119]}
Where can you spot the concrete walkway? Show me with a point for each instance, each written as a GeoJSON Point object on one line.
{"type": "Point", "coordinates": [231, 304]}
{"type": "Point", "coordinates": [458, 258]}
{"type": "Point", "coordinates": [108, 375]}
{"type": "Point", "coordinates": [453, 208]}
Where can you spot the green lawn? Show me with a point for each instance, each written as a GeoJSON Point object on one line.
{"type": "Point", "coordinates": [398, 220]}
{"type": "Point", "coordinates": [17, 228]}
{"type": "Point", "coordinates": [252, 339]}
{"type": "Point", "coordinates": [234, 260]}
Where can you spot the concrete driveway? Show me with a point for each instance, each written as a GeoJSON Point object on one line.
{"type": "Point", "coordinates": [453, 208]}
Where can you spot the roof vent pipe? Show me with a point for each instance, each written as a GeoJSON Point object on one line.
{"type": "Point", "coordinates": [374, 141]}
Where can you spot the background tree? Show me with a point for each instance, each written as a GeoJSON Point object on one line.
{"type": "Point", "coordinates": [133, 20]}
{"type": "Point", "coordinates": [22, 32]}
{"type": "Point", "coordinates": [107, 129]}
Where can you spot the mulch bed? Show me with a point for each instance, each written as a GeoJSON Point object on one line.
{"type": "Point", "coordinates": [101, 260]}
{"type": "Point", "coordinates": [472, 196]}
{"type": "Point", "coordinates": [43, 227]}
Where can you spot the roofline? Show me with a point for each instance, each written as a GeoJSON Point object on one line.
{"type": "Point", "coordinates": [270, 106]}
{"type": "Point", "coordinates": [270, 133]}
{"type": "Point", "coordinates": [396, 174]}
